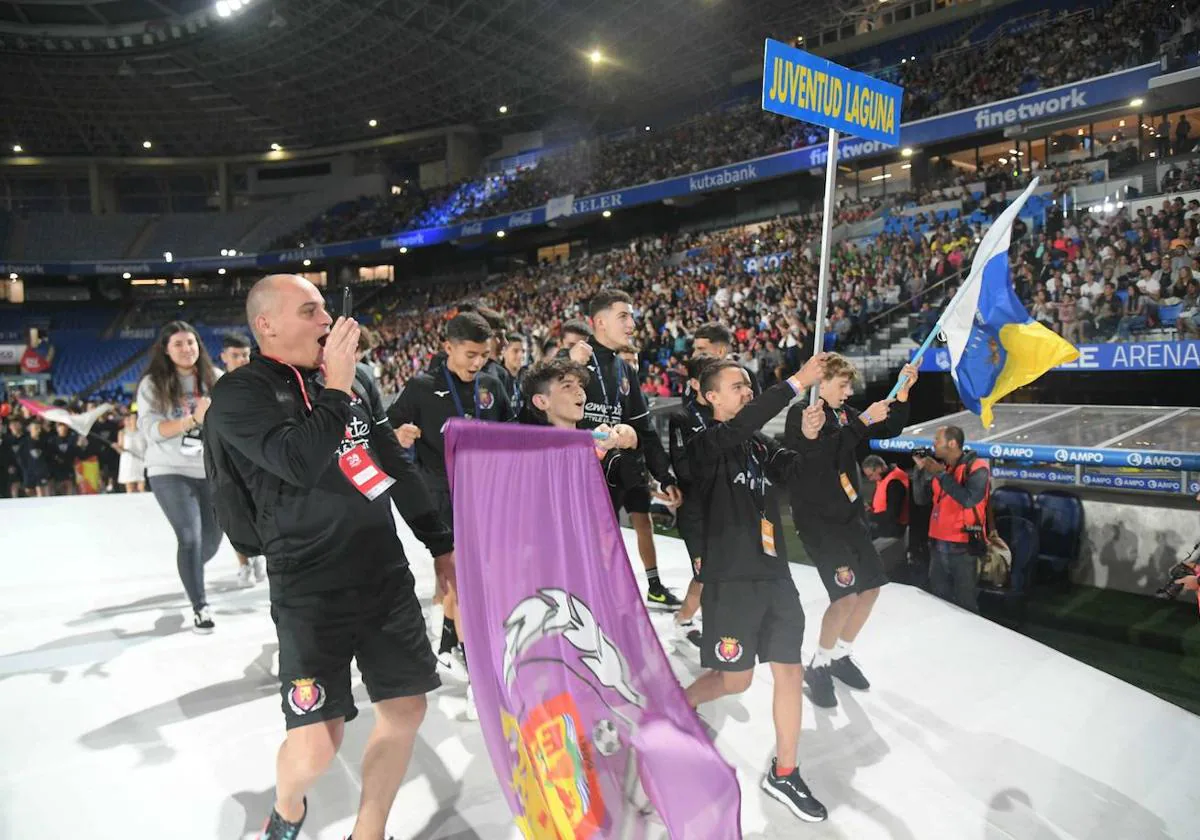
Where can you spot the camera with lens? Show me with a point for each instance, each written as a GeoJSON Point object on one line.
{"type": "Point", "coordinates": [1187, 567]}
{"type": "Point", "coordinates": [922, 452]}
{"type": "Point", "coordinates": [1173, 587]}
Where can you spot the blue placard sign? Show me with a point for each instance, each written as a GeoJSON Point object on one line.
{"type": "Point", "coordinates": [802, 86]}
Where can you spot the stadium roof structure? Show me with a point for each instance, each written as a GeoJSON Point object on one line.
{"type": "Point", "coordinates": [200, 78]}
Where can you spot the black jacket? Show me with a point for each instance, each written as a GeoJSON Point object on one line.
{"type": "Point", "coordinates": [614, 396]}
{"type": "Point", "coordinates": [427, 403]}
{"type": "Point", "coordinates": [818, 497]}
{"type": "Point", "coordinates": [318, 532]}
{"type": "Point", "coordinates": [683, 424]}
{"type": "Point", "coordinates": [728, 462]}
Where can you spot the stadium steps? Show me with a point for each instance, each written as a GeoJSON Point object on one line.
{"type": "Point", "coordinates": [116, 324]}
{"type": "Point", "coordinates": [122, 321]}
{"type": "Point", "coordinates": [16, 240]}
{"type": "Point", "coordinates": [135, 246]}
{"type": "Point", "coordinates": [115, 372]}
{"type": "Point", "coordinates": [1148, 170]}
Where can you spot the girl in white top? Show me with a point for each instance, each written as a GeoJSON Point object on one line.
{"type": "Point", "coordinates": [131, 471]}
{"type": "Point", "coordinates": [172, 400]}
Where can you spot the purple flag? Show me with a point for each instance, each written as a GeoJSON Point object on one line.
{"type": "Point", "coordinates": [588, 729]}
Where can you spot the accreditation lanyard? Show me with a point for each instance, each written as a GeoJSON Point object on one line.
{"type": "Point", "coordinates": [452, 385]}
{"type": "Point", "coordinates": [620, 369]}
{"type": "Point", "coordinates": [356, 464]}
{"type": "Point", "coordinates": [766, 529]}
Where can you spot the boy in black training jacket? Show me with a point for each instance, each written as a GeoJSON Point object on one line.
{"type": "Point", "coordinates": [614, 398]}
{"type": "Point", "coordinates": [312, 446]}
{"type": "Point", "coordinates": [751, 606]}
{"type": "Point", "coordinates": [455, 387]}
{"type": "Point", "coordinates": [828, 512]}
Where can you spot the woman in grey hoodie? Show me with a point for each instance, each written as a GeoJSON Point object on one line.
{"type": "Point", "coordinates": [172, 400]}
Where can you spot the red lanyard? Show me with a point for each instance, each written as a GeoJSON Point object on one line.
{"type": "Point", "coordinates": [304, 390]}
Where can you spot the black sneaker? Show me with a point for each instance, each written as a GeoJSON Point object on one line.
{"type": "Point", "coordinates": [820, 686]}
{"type": "Point", "coordinates": [202, 622]}
{"type": "Point", "coordinates": [277, 828]}
{"type": "Point", "coordinates": [846, 670]}
{"type": "Point", "coordinates": [660, 598]}
{"type": "Point", "coordinates": [793, 793]}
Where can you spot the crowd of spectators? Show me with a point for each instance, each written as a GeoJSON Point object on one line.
{"type": "Point", "coordinates": [1075, 45]}
{"type": "Point", "coordinates": [1183, 177]}
{"type": "Point", "coordinates": [1046, 52]}
{"type": "Point", "coordinates": [1096, 278]}
{"type": "Point", "coordinates": [760, 280]}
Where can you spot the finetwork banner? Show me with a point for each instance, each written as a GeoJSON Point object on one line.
{"type": "Point", "coordinates": [997, 115]}
{"type": "Point", "coordinates": [1129, 355]}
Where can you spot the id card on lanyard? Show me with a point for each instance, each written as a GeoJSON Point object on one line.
{"type": "Point", "coordinates": [458, 406]}
{"type": "Point", "coordinates": [620, 370]}
{"type": "Point", "coordinates": [843, 420]}
{"type": "Point", "coordinates": [766, 528]}
{"type": "Point", "coordinates": [356, 463]}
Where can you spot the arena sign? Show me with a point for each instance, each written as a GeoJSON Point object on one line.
{"type": "Point", "coordinates": [1127, 355]}
{"type": "Point", "coordinates": [1042, 454]}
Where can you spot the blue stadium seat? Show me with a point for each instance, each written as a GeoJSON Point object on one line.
{"type": "Point", "coordinates": [1168, 315]}
{"type": "Point", "coordinates": [1060, 527]}
{"type": "Point", "coordinates": [1013, 501]}
{"type": "Point", "coordinates": [1021, 536]}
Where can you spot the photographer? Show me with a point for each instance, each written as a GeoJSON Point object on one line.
{"type": "Point", "coordinates": [960, 485]}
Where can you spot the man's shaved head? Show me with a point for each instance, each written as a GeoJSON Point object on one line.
{"type": "Point", "coordinates": [287, 315]}
{"type": "Point", "coordinates": [264, 297]}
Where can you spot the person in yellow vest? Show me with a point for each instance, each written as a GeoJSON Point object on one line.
{"type": "Point", "coordinates": [960, 484]}
{"type": "Point", "coordinates": [889, 505]}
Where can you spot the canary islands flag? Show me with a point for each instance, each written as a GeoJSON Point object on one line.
{"type": "Point", "coordinates": [995, 347]}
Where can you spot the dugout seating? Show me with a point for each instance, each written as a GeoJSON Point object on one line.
{"type": "Point", "coordinates": [1060, 528]}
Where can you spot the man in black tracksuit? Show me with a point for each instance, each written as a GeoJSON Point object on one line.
{"type": "Point", "coordinates": [309, 441]}
{"type": "Point", "coordinates": [827, 510]}
{"type": "Point", "coordinates": [751, 607]}
{"type": "Point", "coordinates": [614, 397]}
{"type": "Point", "coordinates": [455, 388]}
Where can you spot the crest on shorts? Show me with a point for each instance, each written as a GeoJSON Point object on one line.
{"type": "Point", "coordinates": [307, 695]}
{"type": "Point", "coordinates": [844, 576]}
{"type": "Point", "coordinates": [729, 649]}
{"type": "Point", "coordinates": [486, 400]}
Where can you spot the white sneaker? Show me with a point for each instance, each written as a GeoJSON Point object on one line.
{"type": "Point", "coordinates": [245, 576]}
{"type": "Point", "coordinates": [202, 622]}
{"type": "Point", "coordinates": [454, 663]}
{"type": "Point", "coordinates": [689, 633]}
{"type": "Point", "coordinates": [472, 712]}
{"type": "Point", "coordinates": [260, 568]}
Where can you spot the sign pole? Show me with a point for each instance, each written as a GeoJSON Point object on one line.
{"type": "Point", "coordinates": [826, 249]}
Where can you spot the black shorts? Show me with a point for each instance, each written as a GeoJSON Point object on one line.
{"type": "Point", "coordinates": [846, 558]}
{"type": "Point", "coordinates": [440, 494]}
{"type": "Point", "coordinates": [381, 626]}
{"type": "Point", "coordinates": [745, 620]}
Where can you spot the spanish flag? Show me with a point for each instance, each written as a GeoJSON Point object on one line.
{"type": "Point", "coordinates": [995, 347]}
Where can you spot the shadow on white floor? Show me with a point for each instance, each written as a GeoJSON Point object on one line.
{"type": "Point", "coordinates": [120, 722]}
